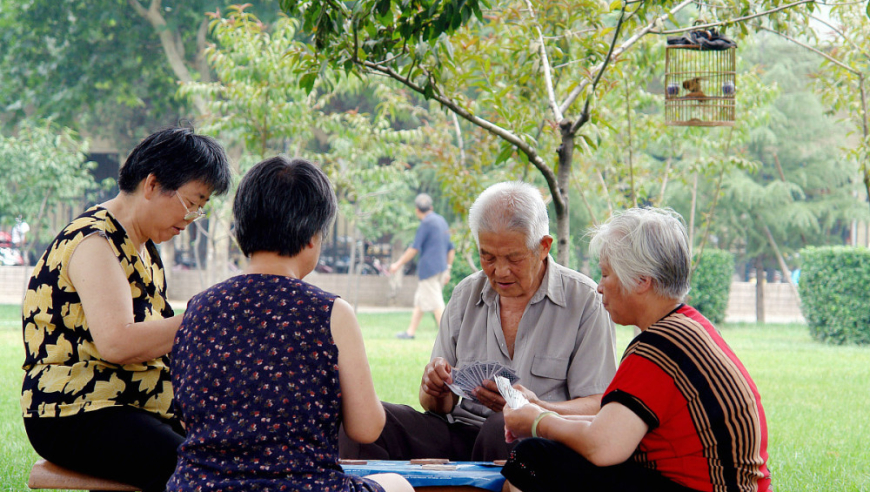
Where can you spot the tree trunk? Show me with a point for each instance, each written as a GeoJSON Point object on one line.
{"type": "Point", "coordinates": [865, 169]}
{"type": "Point", "coordinates": [351, 265]}
{"type": "Point", "coordinates": [692, 217]}
{"type": "Point", "coordinates": [759, 289]}
{"type": "Point", "coordinates": [218, 245]}
{"type": "Point", "coordinates": [661, 200]}
{"type": "Point", "coordinates": [167, 256]}
{"type": "Point", "coordinates": [563, 176]}
{"type": "Point", "coordinates": [170, 41]}
{"type": "Point", "coordinates": [786, 273]}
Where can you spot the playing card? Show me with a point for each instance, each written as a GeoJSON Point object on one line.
{"type": "Point", "coordinates": [466, 378]}
{"type": "Point", "coordinates": [459, 391]}
{"type": "Point", "coordinates": [508, 374]}
{"type": "Point", "coordinates": [512, 397]}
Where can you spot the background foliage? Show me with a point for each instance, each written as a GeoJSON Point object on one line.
{"type": "Point", "coordinates": [711, 283]}
{"type": "Point", "coordinates": [42, 165]}
{"type": "Point", "coordinates": [833, 287]}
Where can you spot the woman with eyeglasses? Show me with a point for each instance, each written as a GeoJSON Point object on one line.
{"type": "Point", "coordinates": [98, 329]}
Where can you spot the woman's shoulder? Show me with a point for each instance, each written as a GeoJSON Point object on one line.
{"type": "Point", "coordinates": [264, 287]}
{"type": "Point", "coordinates": [95, 218]}
{"type": "Point", "coordinates": [58, 253]}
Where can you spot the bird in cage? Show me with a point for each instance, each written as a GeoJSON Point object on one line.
{"type": "Point", "coordinates": [693, 86]}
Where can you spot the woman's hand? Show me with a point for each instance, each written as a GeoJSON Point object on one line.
{"type": "Point", "coordinates": [518, 422]}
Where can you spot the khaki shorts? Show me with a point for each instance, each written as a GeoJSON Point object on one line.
{"type": "Point", "coordinates": [428, 296]}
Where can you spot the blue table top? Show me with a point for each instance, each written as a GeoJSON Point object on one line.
{"type": "Point", "coordinates": [481, 474]}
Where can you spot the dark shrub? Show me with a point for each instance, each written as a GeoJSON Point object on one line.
{"type": "Point", "coordinates": [834, 285]}
{"type": "Point", "coordinates": [711, 283]}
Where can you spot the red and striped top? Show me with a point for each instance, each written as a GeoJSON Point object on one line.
{"type": "Point", "coordinates": [707, 428]}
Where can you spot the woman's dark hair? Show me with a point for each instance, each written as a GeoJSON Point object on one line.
{"type": "Point", "coordinates": [281, 204]}
{"type": "Point", "coordinates": [176, 156]}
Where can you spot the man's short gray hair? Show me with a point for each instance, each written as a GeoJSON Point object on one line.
{"type": "Point", "coordinates": [646, 242]}
{"type": "Point", "coordinates": [510, 206]}
{"type": "Point", "coordinates": [423, 202]}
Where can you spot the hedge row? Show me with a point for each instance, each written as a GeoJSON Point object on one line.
{"type": "Point", "coordinates": [835, 293]}
{"type": "Point", "coordinates": [711, 283]}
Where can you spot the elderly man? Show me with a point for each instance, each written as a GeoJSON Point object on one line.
{"type": "Point", "coordinates": [523, 310]}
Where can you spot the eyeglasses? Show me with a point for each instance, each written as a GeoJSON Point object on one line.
{"type": "Point", "coordinates": [191, 216]}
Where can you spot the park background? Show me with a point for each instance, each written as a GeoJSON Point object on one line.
{"type": "Point", "coordinates": [394, 98]}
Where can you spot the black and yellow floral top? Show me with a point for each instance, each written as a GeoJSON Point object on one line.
{"type": "Point", "coordinates": [64, 373]}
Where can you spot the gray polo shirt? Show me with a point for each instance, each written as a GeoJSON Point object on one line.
{"type": "Point", "coordinates": [565, 346]}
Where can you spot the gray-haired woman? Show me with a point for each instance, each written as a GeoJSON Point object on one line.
{"type": "Point", "coordinates": [681, 414]}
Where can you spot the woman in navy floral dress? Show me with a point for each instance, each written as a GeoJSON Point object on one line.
{"type": "Point", "coordinates": [266, 366]}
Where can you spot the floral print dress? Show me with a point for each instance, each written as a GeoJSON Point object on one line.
{"type": "Point", "coordinates": [255, 372]}
{"type": "Point", "coordinates": [64, 372]}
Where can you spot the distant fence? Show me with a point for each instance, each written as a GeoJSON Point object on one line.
{"type": "Point", "coordinates": [780, 304]}
{"type": "Point", "coordinates": [362, 290]}
{"type": "Point", "coordinates": [12, 283]}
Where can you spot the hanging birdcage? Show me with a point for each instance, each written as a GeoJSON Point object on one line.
{"type": "Point", "coordinates": [700, 85]}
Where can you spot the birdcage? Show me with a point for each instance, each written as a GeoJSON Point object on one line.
{"type": "Point", "coordinates": [699, 86]}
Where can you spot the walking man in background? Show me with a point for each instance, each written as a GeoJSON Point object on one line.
{"type": "Point", "coordinates": [433, 243]}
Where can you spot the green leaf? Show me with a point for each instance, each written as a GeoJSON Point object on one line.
{"type": "Point", "coordinates": [591, 143]}
{"type": "Point", "coordinates": [382, 7]}
{"type": "Point", "coordinates": [476, 9]}
{"type": "Point", "coordinates": [307, 81]}
{"type": "Point", "coordinates": [505, 154]}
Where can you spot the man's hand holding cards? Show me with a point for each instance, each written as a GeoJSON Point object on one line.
{"type": "Point", "coordinates": [467, 378]}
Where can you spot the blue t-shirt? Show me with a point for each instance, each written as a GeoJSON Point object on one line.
{"type": "Point", "coordinates": [433, 243]}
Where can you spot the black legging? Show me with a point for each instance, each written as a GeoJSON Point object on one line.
{"type": "Point", "coordinates": [120, 443]}
{"type": "Point", "coordinates": [541, 465]}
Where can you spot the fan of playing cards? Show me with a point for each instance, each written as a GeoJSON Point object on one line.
{"type": "Point", "coordinates": [466, 378]}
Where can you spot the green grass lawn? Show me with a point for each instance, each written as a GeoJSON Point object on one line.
{"type": "Point", "coordinates": [816, 396]}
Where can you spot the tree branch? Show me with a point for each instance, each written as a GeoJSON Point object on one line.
{"type": "Point", "coordinates": [584, 115]}
{"type": "Point", "coordinates": [739, 19]}
{"type": "Point", "coordinates": [459, 139]}
{"type": "Point", "coordinates": [170, 42]}
{"type": "Point", "coordinates": [814, 50]}
{"type": "Point", "coordinates": [487, 125]}
{"type": "Point", "coordinates": [579, 187]}
{"type": "Point", "coordinates": [606, 191]}
{"type": "Point", "coordinates": [627, 44]}
{"type": "Point", "coordinates": [201, 43]}
{"type": "Point", "coordinates": [166, 36]}
{"type": "Point", "coordinates": [545, 66]}
{"type": "Point", "coordinates": [841, 34]}
{"type": "Point", "coordinates": [865, 171]}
